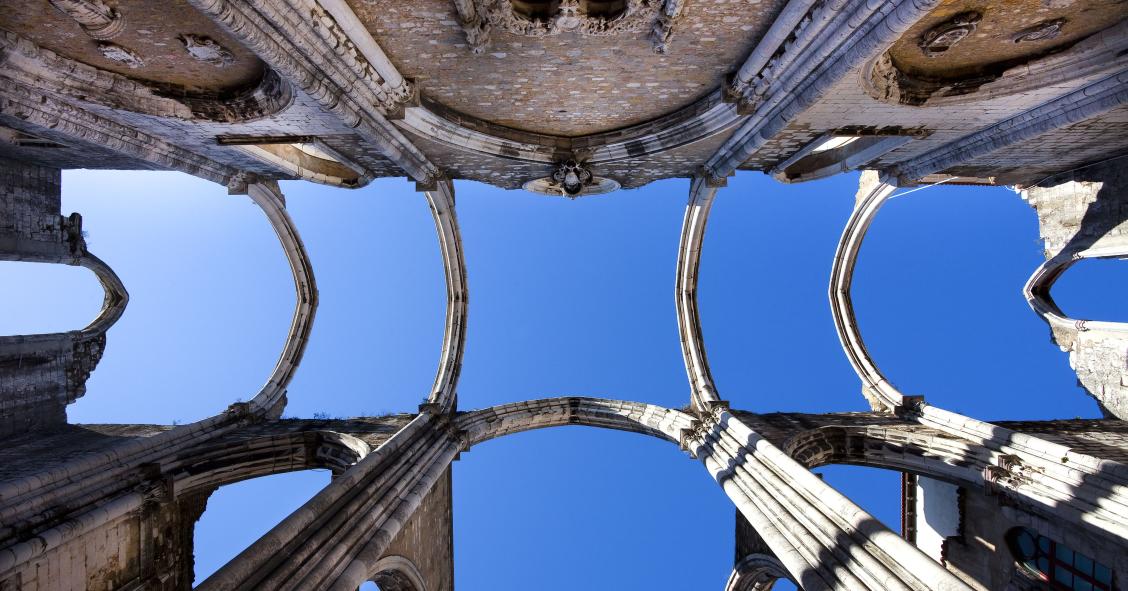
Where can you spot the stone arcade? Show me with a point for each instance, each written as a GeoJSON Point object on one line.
{"type": "Point", "coordinates": [572, 98]}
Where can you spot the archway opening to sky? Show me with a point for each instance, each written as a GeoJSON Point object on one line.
{"type": "Point", "coordinates": [66, 297]}
{"type": "Point", "coordinates": [257, 505]}
{"type": "Point", "coordinates": [549, 500]}
{"type": "Point", "coordinates": [1091, 289]}
{"type": "Point", "coordinates": [571, 297]}
{"type": "Point", "coordinates": [938, 292]}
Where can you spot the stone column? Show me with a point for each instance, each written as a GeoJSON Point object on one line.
{"type": "Point", "coordinates": [823, 539]}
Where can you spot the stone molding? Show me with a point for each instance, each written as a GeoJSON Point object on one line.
{"type": "Point", "coordinates": [108, 477]}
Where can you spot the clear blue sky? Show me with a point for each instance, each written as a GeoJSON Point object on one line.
{"type": "Point", "coordinates": [567, 298]}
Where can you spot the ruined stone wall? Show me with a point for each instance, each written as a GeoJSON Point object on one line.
{"type": "Point", "coordinates": [38, 373]}
{"type": "Point", "coordinates": [29, 208]}
{"type": "Point", "coordinates": [35, 378]}
{"type": "Point", "coordinates": [1078, 211]}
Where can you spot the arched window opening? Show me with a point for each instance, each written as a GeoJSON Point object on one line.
{"type": "Point", "coordinates": [1057, 564]}
{"type": "Point", "coordinates": [1092, 289]}
{"type": "Point", "coordinates": [369, 586]}
{"type": "Point", "coordinates": [52, 298]}
{"type": "Point", "coordinates": [536, 9]}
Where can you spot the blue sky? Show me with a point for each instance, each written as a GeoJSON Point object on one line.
{"type": "Point", "coordinates": [566, 298]}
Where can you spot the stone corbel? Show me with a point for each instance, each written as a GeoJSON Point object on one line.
{"type": "Point", "coordinates": [238, 183]}
{"type": "Point", "coordinates": [712, 179]}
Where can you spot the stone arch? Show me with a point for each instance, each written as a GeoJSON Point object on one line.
{"type": "Point", "coordinates": [397, 573]}
{"type": "Point", "coordinates": [705, 118]}
{"type": "Point", "coordinates": [1095, 346]}
{"type": "Point", "coordinates": [914, 449]}
{"type": "Point", "coordinates": [115, 297]}
{"type": "Point", "coordinates": [636, 417]}
{"type": "Point", "coordinates": [242, 456]}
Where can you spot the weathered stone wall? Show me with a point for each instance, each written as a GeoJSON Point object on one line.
{"type": "Point", "coordinates": [427, 540]}
{"type": "Point", "coordinates": [40, 375]}
{"type": "Point", "coordinates": [980, 555]}
{"type": "Point", "coordinates": [1083, 209]}
{"type": "Point", "coordinates": [29, 208]}
{"type": "Point", "coordinates": [102, 560]}
{"type": "Point", "coordinates": [150, 549]}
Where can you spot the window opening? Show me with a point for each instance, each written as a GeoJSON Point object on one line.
{"type": "Point", "coordinates": [1058, 564]}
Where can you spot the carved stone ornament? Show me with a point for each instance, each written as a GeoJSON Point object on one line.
{"type": "Point", "coordinates": [571, 176]}
{"type": "Point", "coordinates": [479, 17]}
{"type": "Point", "coordinates": [120, 54]}
{"type": "Point", "coordinates": [1041, 31]}
{"type": "Point", "coordinates": [206, 50]}
{"type": "Point", "coordinates": [571, 179]}
{"type": "Point", "coordinates": [97, 19]}
{"type": "Point", "coordinates": [946, 35]}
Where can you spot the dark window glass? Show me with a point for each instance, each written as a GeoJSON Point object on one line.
{"type": "Point", "coordinates": [1058, 564]}
{"type": "Point", "coordinates": [1102, 573]}
{"type": "Point", "coordinates": [1064, 554]}
{"type": "Point", "coordinates": [1025, 544]}
{"type": "Point", "coordinates": [1083, 564]}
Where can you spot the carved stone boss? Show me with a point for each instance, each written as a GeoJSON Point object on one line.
{"type": "Point", "coordinates": [946, 35]}
{"type": "Point", "coordinates": [480, 17]}
{"type": "Point", "coordinates": [96, 18]}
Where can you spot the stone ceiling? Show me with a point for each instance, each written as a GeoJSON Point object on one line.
{"type": "Point", "coordinates": [566, 84]}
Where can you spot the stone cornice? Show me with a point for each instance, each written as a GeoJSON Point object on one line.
{"type": "Point", "coordinates": [33, 106]}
